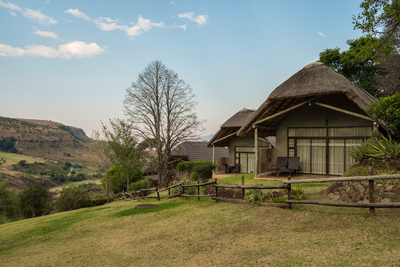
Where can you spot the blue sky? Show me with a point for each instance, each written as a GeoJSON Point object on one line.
{"type": "Point", "coordinates": [71, 61]}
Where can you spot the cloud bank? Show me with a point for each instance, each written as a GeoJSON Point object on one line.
{"type": "Point", "coordinates": [75, 49]}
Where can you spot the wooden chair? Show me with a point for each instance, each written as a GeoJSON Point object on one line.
{"type": "Point", "coordinates": [281, 163]}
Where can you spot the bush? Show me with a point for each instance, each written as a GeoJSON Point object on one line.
{"type": "Point", "coordinates": [9, 204]}
{"type": "Point", "coordinates": [280, 199]}
{"type": "Point", "coordinates": [255, 195]}
{"type": "Point", "coordinates": [72, 198]}
{"type": "Point", "coordinates": [35, 201]}
{"type": "Point", "coordinates": [356, 171]}
{"type": "Point", "coordinates": [195, 176]}
{"type": "Point", "coordinates": [22, 163]}
{"type": "Point", "coordinates": [29, 170]}
{"type": "Point", "coordinates": [188, 190]}
{"type": "Point", "coordinates": [98, 202]}
{"type": "Point", "coordinates": [133, 187]}
{"type": "Point", "coordinates": [204, 168]}
{"type": "Point", "coordinates": [297, 193]}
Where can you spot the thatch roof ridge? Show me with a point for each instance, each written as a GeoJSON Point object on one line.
{"type": "Point", "coordinates": [313, 80]}
{"type": "Point", "coordinates": [238, 119]}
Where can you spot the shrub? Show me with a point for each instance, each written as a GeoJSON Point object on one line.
{"type": "Point", "coordinates": [139, 185]}
{"type": "Point", "coordinates": [9, 204]}
{"type": "Point", "coordinates": [280, 199]}
{"type": "Point", "coordinates": [72, 198]}
{"type": "Point", "coordinates": [254, 195]}
{"type": "Point", "coordinates": [188, 190]}
{"type": "Point", "coordinates": [204, 168]}
{"type": "Point", "coordinates": [35, 201]}
{"type": "Point", "coordinates": [29, 170]}
{"type": "Point", "coordinates": [356, 171]}
{"type": "Point", "coordinates": [98, 202]}
{"type": "Point", "coordinates": [22, 163]}
{"type": "Point", "coordinates": [297, 193]}
{"type": "Point", "coordinates": [195, 176]}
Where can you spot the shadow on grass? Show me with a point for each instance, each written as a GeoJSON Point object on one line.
{"type": "Point", "coordinates": [136, 211]}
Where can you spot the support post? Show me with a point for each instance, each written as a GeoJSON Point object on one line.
{"type": "Point", "coordinates": [255, 152]}
{"type": "Point", "coordinates": [289, 193]}
{"type": "Point", "coordinates": [198, 189]}
{"type": "Point", "coordinates": [213, 172]}
{"type": "Point", "coordinates": [243, 193]}
{"type": "Point", "coordinates": [371, 189]}
{"type": "Point", "coordinates": [216, 190]}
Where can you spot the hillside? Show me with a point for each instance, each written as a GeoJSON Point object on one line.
{"type": "Point", "coordinates": [44, 139]}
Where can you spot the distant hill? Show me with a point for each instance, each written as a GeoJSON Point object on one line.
{"type": "Point", "coordinates": [207, 137]}
{"type": "Point", "coordinates": [44, 139]}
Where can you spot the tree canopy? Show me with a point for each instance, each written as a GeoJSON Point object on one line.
{"type": "Point", "coordinates": [356, 64]}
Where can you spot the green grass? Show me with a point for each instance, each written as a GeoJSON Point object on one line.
{"type": "Point", "coordinates": [59, 188]}
{"type": "Point", "coordinates": [15, 158]}
{"type": "Point", "coordinates": [182, 232]}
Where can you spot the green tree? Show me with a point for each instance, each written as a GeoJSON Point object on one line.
{"type": "Point", "coordinates": [72, 198]}
{"type": "Point", "coordinates": [9, 204]}
{"type": "Point", "coordinates": [380, 19]}
{"type": "Point", "coordinates": [356, 64]}
{"type": "Point", "coordinates": [35, 201]}
{"type": "Point", "coordinates": [388, 110]}
{"type": "Point", "coordinates": [117, 180]}
{"type": "Point", "coordinates": [123, 147]}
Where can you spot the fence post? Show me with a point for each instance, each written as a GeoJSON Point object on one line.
{"type": "Point", "coordinates": [169, 191]}
{"type": "Point", "coordinates": [216, 189]}
{"type": "Point", "coordinates": [289, 193]}
{"type": "Point", "coordinates": [158, 193]}
{"type": "Point", "coordinates": [183, 189]}
{"type": "Point", "coordinates": [198, 189]}
{"type": "Point", "coordinates": [243, 193]}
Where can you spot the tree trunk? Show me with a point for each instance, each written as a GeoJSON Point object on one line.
{"type": "Point", "coordinates": [127, 181]}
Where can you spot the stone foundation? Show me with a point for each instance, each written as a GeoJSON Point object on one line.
{"type": "Point", "coordinates": [358, 192]}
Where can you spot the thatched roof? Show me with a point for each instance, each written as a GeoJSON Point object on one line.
{"type": "Point", "coordinates": [232, 125]}
{"type": "Point", "coordinates": [314, 80]}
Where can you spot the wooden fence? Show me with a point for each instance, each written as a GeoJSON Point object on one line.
{"type": "Point", "coordinates": [371, 205]}
{"type": "Point", "coordinates": [286, 185]}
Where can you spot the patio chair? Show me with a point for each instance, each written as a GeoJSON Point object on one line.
{"type": "Point", "coordinates": [280, 165]}
{"type": "Point", "coordinates": [293, 166]}
{"type": "Point", "coordinates": [237, 168]}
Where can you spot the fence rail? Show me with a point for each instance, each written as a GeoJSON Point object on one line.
{"type": "Point", "coordinates": [285, 185]}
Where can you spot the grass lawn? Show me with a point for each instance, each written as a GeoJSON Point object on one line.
{"type": "Point", "coordinates": [13, 158]}
{"type": "Point", "coordinates": [59, 188]}
{"type": "Point", "coordinates": [188, 232]}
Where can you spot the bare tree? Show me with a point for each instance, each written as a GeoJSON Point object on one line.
{"type": "Point", "coordinates": [161, 107]}
{"type": "Point", "coordinates": [388, 79]}
{"type": "Point", "coordinates": [122, 147]}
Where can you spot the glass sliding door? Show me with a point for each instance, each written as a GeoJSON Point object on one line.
{"type": "Point", "coordinates": [336, 157]}
{"type": "Point", "coordinates": [324, 150]}
{"type": "Point", "coordinates": [304, 152]}
{"type": "Point", "coordinates": [318, 156]}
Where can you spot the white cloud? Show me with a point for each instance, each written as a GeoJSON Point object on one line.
{"type": "Point", "coordinates": [80, 49]}
{"type": "Point", "coordinates": [321, 34]}
{"type": "Point", "coordinates": [37, 14]}
{"type": "Point", "coordinates": [179, 26]}
{"type": "Point", "coordinates": [8, 50]}
{"type": "Point", "coordinates": [75, 49]}
{"type": "Point", "coordinates": [29, 13]}
{"type": "Point", "coordinates": [12, 13]}
{"type": "Point", "coordinates": [143, 25]}
{"type": "Point", "coordinates": [107, 24]}
{"type": "Point", "coordinates": [10, 6]}
{"type": "Point", "coordinates": [200, 20]}
{"type": "Point", "coordinates": [77, 13]}
{"type": "Point", "coordinates": [172, 3]}
{"type": "Point", "coordinates": [47, 34]}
